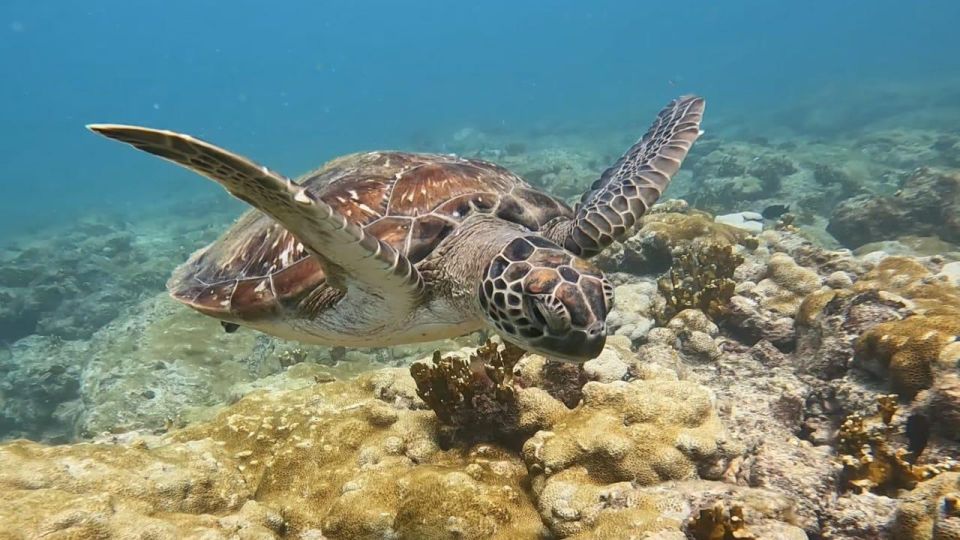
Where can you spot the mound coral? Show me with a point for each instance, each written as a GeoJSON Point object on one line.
{"type": "Point", "coordinates": [786, 284]}
{"type": "Point", "coordinates": [931, 511]}
{"type": "Point", "coordinates": [910, 351]}
{"type": "Point", "coordinates": [642, 432]}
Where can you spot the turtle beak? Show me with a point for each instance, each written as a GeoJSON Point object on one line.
{"type": "Point", "coordinates": [577, 346]}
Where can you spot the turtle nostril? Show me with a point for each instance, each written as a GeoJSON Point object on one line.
{"type": "Point", "coordinates": [597, 329]}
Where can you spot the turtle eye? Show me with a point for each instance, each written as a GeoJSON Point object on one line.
{"type": "Point", "coordinates": [549, 313]}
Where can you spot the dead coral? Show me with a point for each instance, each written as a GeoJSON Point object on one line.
{"type": "Point", "coordinates": [771, 170]}
{"type": "Point", "coordinates": [928, 204]}
{"type": "Point", "coordinates": [701, 278]}
{"type": "Point", "coordinates": [473, 399]}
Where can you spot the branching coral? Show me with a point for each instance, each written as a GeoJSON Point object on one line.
{"type": "Point", "coordinates": [473, 399]}
{"type": "Point", "coordinates": [701, 278]}
{"type": "Point", "coordinates": [871, 462]}
{"type": "Point", "coordinates": [719, 523]}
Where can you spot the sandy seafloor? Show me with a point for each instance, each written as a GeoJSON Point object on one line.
{"type": "Point", "coordinates": [821, 401]}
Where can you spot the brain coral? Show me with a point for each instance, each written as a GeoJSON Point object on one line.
{"type": "Point", "coordinates": [642, 432]}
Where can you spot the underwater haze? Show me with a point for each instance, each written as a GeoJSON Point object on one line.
{"type": "Point", "coordinates": [296, 83]}
{"type": "Point", "coordinates": [746, 331]}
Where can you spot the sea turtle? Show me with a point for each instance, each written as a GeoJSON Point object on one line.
{"type": "Point", "coordinates": [387, 248]}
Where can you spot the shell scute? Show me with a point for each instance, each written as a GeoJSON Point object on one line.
{"type": "Point", "coordinates": [427, 232]}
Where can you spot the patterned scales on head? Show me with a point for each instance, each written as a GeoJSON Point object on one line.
{"type": "Point", "coordinates": [386, 248]}
{"type": "Point", "coordinates": [410, 201]}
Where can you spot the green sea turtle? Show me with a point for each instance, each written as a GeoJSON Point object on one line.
{"type": "Point", "coordinates": [387, 248]}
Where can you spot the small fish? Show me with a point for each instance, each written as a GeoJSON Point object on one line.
{"type": "Point", "coordinates": [918, 433]}
{"type": "Point", "coordinates": [775, 211]}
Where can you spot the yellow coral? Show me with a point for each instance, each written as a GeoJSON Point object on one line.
{"type": "Point", "coordinates": [871, 462]}
{"type": "Point", "coordinates": [929, 512]}
{"type": "Point", "coordinates": [910, 350]}
{"type": "Point", "coordinates": [678, 228]}
{"type": "Point", "coordinates": [701, 277]}
{"type": "Point", "coordinates": [786, 284]}
{"type": "Point", "coordinates": [720, 523]}
{"type": "Point", "coordinates": [304, 456]}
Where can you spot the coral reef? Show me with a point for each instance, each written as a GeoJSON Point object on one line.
{"type": "Point", "coordinates": [736, 400]}
{"type": "Point", "coordinates": [730, 177]}
{"type": "Point", "coordinates": [361, 459]}
{"type": "Point", "coordinates": [158, 365]}
{"type": "Point", "coordinates": [927, 204]}
{"type": "Point", "coordinates": [274, 464]}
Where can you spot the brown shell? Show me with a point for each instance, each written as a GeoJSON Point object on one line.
{"type": "Point", "coordinates": [410, 201]}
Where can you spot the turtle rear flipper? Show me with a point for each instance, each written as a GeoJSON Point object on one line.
{"type": "Point", "coordinates": [612, 206]}
{"type": "Point", "coordinates": [350, 256]}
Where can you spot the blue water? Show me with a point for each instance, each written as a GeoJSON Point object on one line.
{"type": "Point", "coordinates": [294, 83]}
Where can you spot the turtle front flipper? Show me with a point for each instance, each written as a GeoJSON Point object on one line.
{"type": "Point", "coordinates": [350, 256]}
{"type": "Point", "coordinates": [612, 206]}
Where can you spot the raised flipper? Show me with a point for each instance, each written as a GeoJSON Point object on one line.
{"type": "Point", "coordinates": [350, 256]}
{"type": "Point", "coordinates": [614, 203]}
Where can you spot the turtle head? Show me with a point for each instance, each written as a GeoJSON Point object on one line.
{"type": "Point", "coordinates": [543, 299]}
